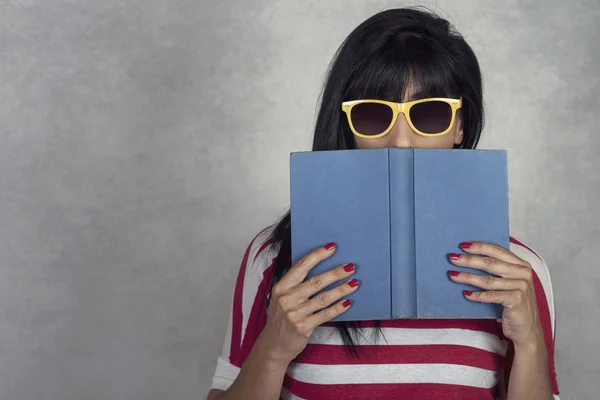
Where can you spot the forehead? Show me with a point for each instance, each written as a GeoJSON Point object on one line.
{"type": "Point", "coordinates": [413, 92]}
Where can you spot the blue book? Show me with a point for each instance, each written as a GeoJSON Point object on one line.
{"type": "Point", "coordinates": [396, 214]}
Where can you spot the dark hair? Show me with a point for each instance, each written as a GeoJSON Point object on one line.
{"type": "Point", "coordinates": [379, 59]}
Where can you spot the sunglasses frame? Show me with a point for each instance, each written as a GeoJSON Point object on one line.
{"type": "Point", "coordinates": [401, 108]}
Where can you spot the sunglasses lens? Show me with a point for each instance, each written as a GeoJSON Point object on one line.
{"type": "Point", "coordinates": [371, 118]}
{"type": "Point", "coordinates": [431, 117]}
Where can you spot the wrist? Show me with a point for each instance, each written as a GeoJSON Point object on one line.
{"type": "Point", "coordinates": [262, 353]}
{"type": "Point", "coordinates": [260, 377]}
{"type": "Point", "coordinates": [532, 345]}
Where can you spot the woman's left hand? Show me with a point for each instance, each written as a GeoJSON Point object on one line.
{"type": "Point", "coordinates": [512, 286]}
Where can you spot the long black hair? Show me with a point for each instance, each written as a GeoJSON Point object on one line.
{"type": "Point", "coordinates": [379, 59]}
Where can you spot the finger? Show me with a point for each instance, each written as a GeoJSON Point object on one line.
{"type": "Point", "coordinates": [317, 282]}
{"type": "Point", "coordinates": [492, 250]}
{"type": "Point", "coordinates": [328, 313]}
{"type": "Point", "coordinates": [298, 271]}
{"type": "Point", "coordinates": [488, 282]}
{"type": "Point", "coordinates": [508, 298]}
{"type": "Point", "coordinates": [328, 297]}
{"type": "Point", "coordinates": [490, 265]}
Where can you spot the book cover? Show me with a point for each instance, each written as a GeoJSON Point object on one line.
{"type": "Point", "coordinates": [343, 197]}
{"type": "Point", "coordinates": [396, 214]}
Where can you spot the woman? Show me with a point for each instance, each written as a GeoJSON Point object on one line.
{"type": "Point", "coordinates": [397, 55]}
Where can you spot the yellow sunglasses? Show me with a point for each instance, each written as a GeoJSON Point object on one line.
{"type": "Point", "coordinates": [429, 117]}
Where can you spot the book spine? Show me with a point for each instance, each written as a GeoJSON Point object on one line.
{"type": "Point", "coordinates": [402, 234]}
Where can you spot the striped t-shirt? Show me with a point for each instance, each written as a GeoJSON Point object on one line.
{"type": "Point", "coordinates": [414, 359]}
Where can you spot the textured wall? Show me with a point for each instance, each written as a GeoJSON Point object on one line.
{"type": "Point", "coordinates": [144, 143]}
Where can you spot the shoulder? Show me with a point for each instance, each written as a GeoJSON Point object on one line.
{"type": "Point", "coordinates": [540, 269]}
{"type": "Point", "coordinates": [261, 250]}
{"type": "Point", "coordinates": [532, 257]}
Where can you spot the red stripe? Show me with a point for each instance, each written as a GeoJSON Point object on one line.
{"type": "Point", "coordinates": [326, 354]}
{"type": "Point", "coordinates": [508, 360]}
{"type": "Point", "coordinates": [258, 315]}
{"type": "Point", "coordinates": [237, 314]}
{"type": "Point", "coordinates": [544, 314]}
{"type": "Point", "coordinates": [385, 391]}
{"type": "Point", "coordinates": [264, 246]}
{"type": "Point", "coordinates": [515, 241]}
{"type": "Point", "coordinates": [480, 325]}
{"type": "Point", "coordinates": [545, 320]}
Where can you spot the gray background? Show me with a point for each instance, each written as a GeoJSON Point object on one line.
{"type": "Point", "coordinates": [144, 143]}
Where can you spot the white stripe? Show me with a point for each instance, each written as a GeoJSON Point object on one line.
{"type": "Point", "coordinates": [250, 278]}
{"type": "Point", "coordinates": [226, 350]}
{"type": "Point", "coordinates": [393, 373]}
{"type": "Point", "coordinates": [410, 336]}
{"type": "Point", "coordinates": [225, 374]}
{"type": "Point", "coordinates": [541, 270]}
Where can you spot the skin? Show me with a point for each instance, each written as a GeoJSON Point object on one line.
{"type": "Point", "coordinates": [289, 324]}
{"type": "Point", "coordinates": [513, 288]}
{"type": "Point", "coordinates": [291, 320]}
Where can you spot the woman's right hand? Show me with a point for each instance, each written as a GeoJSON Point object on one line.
{"type": "Point", "coordinates": [293, 315]}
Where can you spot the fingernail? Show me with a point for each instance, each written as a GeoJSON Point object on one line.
{"type": "Point", "coordinates": [453, 273]}
{"type": "Point", "coordinates": [346, 303]}
{"type": "Point", "coordinates": [467, 293]}
{"type": "Point", "coordinates": [454, 256]}
{"type": "Point", "coordinates": [465, 245]}
{"type": "Point", "coordinates": [349, 267]}
{"type": "Point", "coordinates": [329, 246]}
{"type": "Point", "coordinates": [353, 283]}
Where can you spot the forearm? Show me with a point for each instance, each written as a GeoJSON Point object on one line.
{"type": "Point", "coordinates": [529, 378]}
{"type": "Point", "coordinates": [259, 378]}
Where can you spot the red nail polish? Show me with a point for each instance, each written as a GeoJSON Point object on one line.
{"type": "Point", "coordinates": [465, 245]}
{"type": "Point", "coordinates": [467, 292]}
{"type": "Point", "coordinates": [329, 246]}
{"type": "Point", "coordinates": [453, 273]}
{"type": "Point", "coordinates": [349, 267]}
{"type": "Point", "coordinates": [346, 303]}
{"type": "Point", "coordinates": [454, 256]}
{"type": "Point", "coordinates": [353, 283]}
